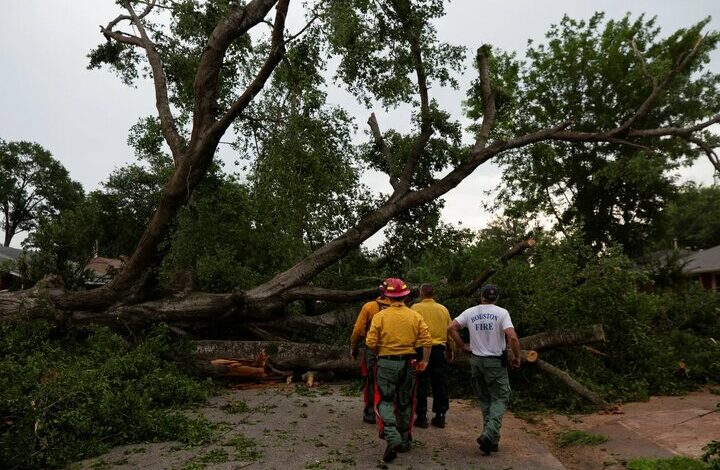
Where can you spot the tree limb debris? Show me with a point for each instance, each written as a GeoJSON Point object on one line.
{"type": "Point", "coordinates": [507, 256]}
{"type": "Point", "coordinates": [573, 384]}
{"type": "Point", "coordinates": [240, 359]}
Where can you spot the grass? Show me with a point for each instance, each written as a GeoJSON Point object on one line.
{"type": "Point", "coordinates": [236, 407]}
{"type": "Point", "coordinates": [579, 438]}
{"type": "Point", "coordinates": [675, 463]}
{"type": "Point", "coordinates": [531, 417]}
{"type": "Point", "coordinates": [245, 448]}
{"type": "Point", "coordinates": [212, 457]}
{"type": "Point", "coordinates": [352, 389]}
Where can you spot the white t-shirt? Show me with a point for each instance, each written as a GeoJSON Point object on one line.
{"type": "Point", "coordinates": [487, 324]}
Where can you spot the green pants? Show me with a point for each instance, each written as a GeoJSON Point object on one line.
{"type": "Point", "coordinates": [396, 385]}
{"type": "Point", "coordinates": [492, 388]}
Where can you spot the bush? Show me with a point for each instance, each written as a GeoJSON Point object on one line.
{"type": "Point", "coordinates": [562, 284]}
{"type": "Point", "coordinates": [70, 395]}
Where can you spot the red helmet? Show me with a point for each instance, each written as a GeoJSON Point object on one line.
{"type": "Point", "coordinates": [394, 287]}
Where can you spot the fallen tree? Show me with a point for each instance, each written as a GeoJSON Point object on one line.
{"type": "Point", "coordinates": [298, 357]}
{"type": "Point", "coordinates": [197, 107]}
{"type": "Point", "coordinates": [220, 358]}
{"type": "Point", "coordinates": [212, 107]}
{"type": "Point", "coordinates": [263, 360]}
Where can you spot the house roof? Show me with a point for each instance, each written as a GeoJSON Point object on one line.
{"type": "Point", "coordinates": [703, 261]}
{"type": "Point", "coordinates": [8, 253]}
{"type": "Point", "coordinates": [102, 269]}
{"type": "Point", "coordinates": [663, 257]}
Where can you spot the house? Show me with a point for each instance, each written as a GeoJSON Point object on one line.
{"type": "Point", "coordinates": [9, 273]}
{"type": "Point", "coordinates": [704, 265]}
{"type": "Point", "coordinates": [100, 271]}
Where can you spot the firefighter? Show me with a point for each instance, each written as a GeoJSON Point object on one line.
{"type": "Point", "coordinates": [368, 359]}
{"type": "Point", "coordinates": [491, 329]}
{"type": "Point", "coordinates": [438, 319]}
{"type": "Point", "coordinates": [394, 332]}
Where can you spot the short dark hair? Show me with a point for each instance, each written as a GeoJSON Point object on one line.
{"type": "Point", "coordinates": [490, 292]}
{"type": "Point", "coordinates": [427, 290]}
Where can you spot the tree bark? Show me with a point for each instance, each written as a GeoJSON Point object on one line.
{"type": "Point", "coordinates": [284, 356]}
{"type": "Point", "coordinates": [216, 357]}
{"type": "Point", "coordinates": [305, 325]}
{"type": "Point", "coordinates": [565, 337]}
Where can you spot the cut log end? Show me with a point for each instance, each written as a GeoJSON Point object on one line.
{"type": "Point", "coordinates": [531, 356]}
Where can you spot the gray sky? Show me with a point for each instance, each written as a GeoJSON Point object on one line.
{"type": "Point", "coordinates": [82, 116]}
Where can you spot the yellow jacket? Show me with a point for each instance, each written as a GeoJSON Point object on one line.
{"type": "Point", "coordinates": [396, 330]}
{"type": "Point", "coordinates": [438, 319]}
{"type": "Point", "coordinates": [366, 315]}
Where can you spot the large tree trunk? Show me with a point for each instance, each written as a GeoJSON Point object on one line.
{"type": "Point", "coordinates": [286, 356]}
{"type": "Point", "coordinates": [291, 356]}
{"type": "Point", "coordinates": [265, 359]}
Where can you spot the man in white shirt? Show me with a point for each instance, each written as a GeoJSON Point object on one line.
{"type": "Point", "coordinates": [490, 330]}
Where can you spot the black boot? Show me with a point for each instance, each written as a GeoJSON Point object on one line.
{"type": "Point", "coordinates": [390, 453]}
{"type": "Point", "coordinates": [421, 421]}
{"type": "Point", "coordinates": [485, 444]}
{"type": "Point", "coordinates": [438, 421]}
{"type": "Point", "coordinates": [369, 418]}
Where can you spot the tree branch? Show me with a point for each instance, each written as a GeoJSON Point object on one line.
{"type": "Point", "coordinates": [167, 121]}
{"type": "Point", "coordinates": [329, 253]}
{"type": "Point", "coordinates": [331, 295]}
{"type": "Point", "coordinates": [488, 98]}
{"type": "Point", "coordinates": [314, 18]}
{"type": "Point", "coordinates": [511, 253]}
{"type": "Point", "coordinates": [380, 142]}
{"type": "Point", "coordinates": [148, 8]}
{"type": "Point", "coordinates": [426, 129]}
{"type": "Point", "coordinates": [552, 339]}
{"type": "Point", "coordinates": [122, 37]}
{"type": "Point", "coordinates": [643, 65]}
{"type": "Point", "coordinates": [277, 50]}
{"type": "Point", "coordinates": [674, 131]}
{"type": "Point", "coordinates": [573, 384]}
{"type": "Point", "coordinates": [709, 151]}
{"type": "Point", "coordinates": [238, 22]}
{"type": "Point", "coordinates": [657, 89]}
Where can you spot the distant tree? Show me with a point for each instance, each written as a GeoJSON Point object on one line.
{"type": "Point", "coordinates": [32, 185]}
{"type": "Point", "coordinates": [601, 73]}
{"type": "Point", "coordinates": [693, 218]}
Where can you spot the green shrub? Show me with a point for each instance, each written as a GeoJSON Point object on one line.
{"type": "Point", "coordinates": [711, 454]}
{"type": "Point", "coordinates": [70, 395]}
